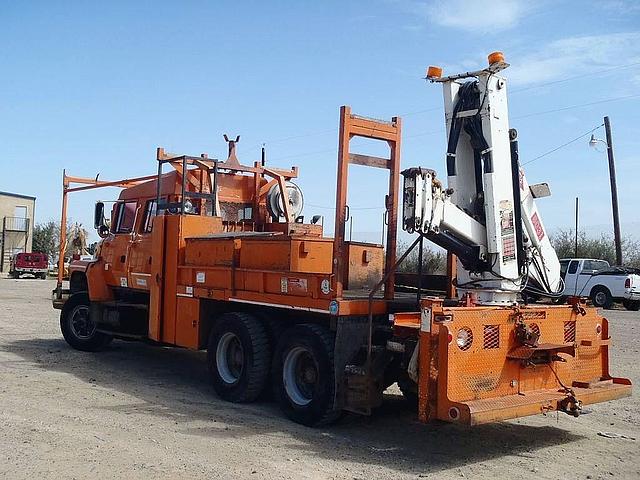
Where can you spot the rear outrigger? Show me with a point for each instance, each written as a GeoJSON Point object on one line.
{"type": "Point", "coordinates": [217, 255]}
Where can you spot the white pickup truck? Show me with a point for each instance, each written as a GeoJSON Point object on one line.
{"type": "Point", "coordinates": [602, 283]}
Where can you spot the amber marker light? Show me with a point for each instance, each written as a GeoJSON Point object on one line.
{"type": "Point", "coordinates": [495, 57]}
{"type": "Point", "coordinates": [434, 72]}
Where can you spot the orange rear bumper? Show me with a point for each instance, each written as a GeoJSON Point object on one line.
{"type": "Point", "coordinates": [476, 412]}
{"type": "Point", "coordinates": [473, 370]}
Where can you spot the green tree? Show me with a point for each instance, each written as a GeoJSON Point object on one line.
{"type": "Point", "coordinates": [603, 248]}
{"type": "Point", "coordinates": [433, 262]}
{"type": "Point", "coordinates": [46, 238]}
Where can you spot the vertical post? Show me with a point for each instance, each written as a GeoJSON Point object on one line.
{"type": "Point", "coordinates": [184, 184]}
{"type": "Point", "coordinates": [392, 208]}
{"type": "Point", "coordinates": [341, 198]}
{"type": "Point", "coordinates": [4, 227]}
{"type": "Point", "coordinates": [614, 192]}
{"type": "Point", "coordinates": [452, 266]}
{"type": "Point", "coordinates": [63, 234]}
{"type": "Point", "coordinates": [575, 253]}
{"type": "Point", "coordinates": [159, 157]}
{"type": "Point", "coordinates": [419, 293]}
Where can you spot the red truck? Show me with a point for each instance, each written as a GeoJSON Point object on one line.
{"type": "Point", "coordinates": [36, 264]}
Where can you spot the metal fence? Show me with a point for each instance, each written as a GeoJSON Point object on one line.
{"type": "Point", "coordinates": [15, 224]}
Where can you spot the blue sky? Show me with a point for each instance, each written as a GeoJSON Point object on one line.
{"type": "Point", "coordinates": [97, 86]}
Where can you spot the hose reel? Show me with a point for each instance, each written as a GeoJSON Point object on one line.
{"type": "Point", "coordinates": [276, 206]}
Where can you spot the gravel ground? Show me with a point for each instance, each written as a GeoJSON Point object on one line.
{"type": "Point", "coordinates": [138, 411]}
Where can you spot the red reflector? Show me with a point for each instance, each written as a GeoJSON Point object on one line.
{"type": "Point", "coordinates": [76, 256]}
{"type": "Point", "coordinates": [450, 338]}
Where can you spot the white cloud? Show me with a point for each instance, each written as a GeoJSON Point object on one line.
{"type": "Point", "coordinates": [473, 15]}
{"type": "Point", "coordinates": [573, 56]}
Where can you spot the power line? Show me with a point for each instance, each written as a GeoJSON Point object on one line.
{"type": "Point", "coordinates": [563, 145]}
{"type": "Point", "coordinates": [432, 109]}
{"type": "Point", "coordinates": [350, 208]}
{"type": "Point", "coordinates": [545, 112]}
{"type": "Point", "coordinates": [576, 77]}
{"type": "Point", "coordinates": [306, 154]}
{"type": "Point", "coordinates": [581, 105]}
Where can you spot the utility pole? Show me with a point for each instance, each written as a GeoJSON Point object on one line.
{"type": "Point", "coordinates": [614, 192]}
{"type": "Point", "coordinates": [575, 253]}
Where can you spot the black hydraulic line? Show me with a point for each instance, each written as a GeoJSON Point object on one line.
{"type": "Point", "coordinates": [517, 199]}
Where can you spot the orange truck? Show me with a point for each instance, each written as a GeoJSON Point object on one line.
{"type": "Point", "coordinates": [217, 255]}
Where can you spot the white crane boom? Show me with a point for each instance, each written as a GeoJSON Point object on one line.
{"type": "Point", "coordinates": [487, 215]}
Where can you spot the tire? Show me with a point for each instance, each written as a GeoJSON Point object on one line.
{"type": "Point", "coordinates": [304, 377]}
{"type": "Point", "coordinates": [43, 276]}
{"type": "Point", "coordinates": [238, 357]}
{"type": "Point", "coordinates": [601, 297]}
{"type": "Point", "coordinates": [633, 305]}
{"type": "Point", "coordinates": [77, 329]}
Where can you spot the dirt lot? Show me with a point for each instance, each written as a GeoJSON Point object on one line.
{"type": "Point", "coordinates": [137, 411]}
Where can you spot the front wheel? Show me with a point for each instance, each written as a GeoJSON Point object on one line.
{"type": "Point", "coordinates": [77, 327]}
{"type": "Point", "coordinates": [303, 375]}
{"type": "Point", "coordinates": [633, 305]}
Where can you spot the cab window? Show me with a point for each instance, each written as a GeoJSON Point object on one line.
{"type": "Point", "coordinates": [573, 266]}
{"type": "Point", "coordinates": [125, 217]}
{"type": "Point", "coordinates": [592, 266]}
{"type": "Point", "coordinates": [150, 211]}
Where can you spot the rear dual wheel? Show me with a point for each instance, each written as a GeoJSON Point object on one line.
{"type": "Point", "coordinates": [238, 357]}
{"type": "Point", "coordinates": [301, 370]}
{"type": "Point", "coordinates": [633, 305]}
{"type": "Point", "coordinates": [303, 375]}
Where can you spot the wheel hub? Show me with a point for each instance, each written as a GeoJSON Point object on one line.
{"type": "Point", "coordinates": [230, 358]}
{"type": "Point", "coordinates": [81, 324]}
{"type": "Point", "coordinates": [299, 375]}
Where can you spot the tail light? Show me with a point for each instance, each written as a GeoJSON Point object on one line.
{"type": "Point", "coordinates": [627, 283]}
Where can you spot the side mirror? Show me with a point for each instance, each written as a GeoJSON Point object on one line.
{"type": "Point", "coordinates": [99, 222]}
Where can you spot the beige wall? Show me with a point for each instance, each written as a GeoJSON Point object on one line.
{"type": "Point", "coordinates": [15, 240]}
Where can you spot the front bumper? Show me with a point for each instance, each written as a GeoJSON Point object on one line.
{"type": "Point", "coordinates": [58, 297]}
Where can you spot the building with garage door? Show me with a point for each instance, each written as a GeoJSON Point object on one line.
{"type": "Point", "coordinates": [16, 225]}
